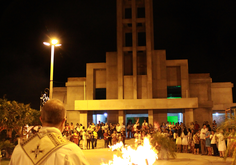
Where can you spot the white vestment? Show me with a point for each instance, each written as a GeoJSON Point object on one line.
{"type": "Point", "coordinates": [67, 154]}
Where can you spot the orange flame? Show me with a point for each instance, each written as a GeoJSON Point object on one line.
{"type": "Point", "coordinates": [145, 154]}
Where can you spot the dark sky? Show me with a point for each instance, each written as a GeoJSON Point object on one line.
{"type": "Point", "coordinates": [204, 32]}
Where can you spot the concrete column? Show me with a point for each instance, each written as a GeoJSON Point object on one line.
{"type": "Point", "coordinates": [150, 117]}
{"type": "Point", "coordinates": [73, 116]}
{"type": "Point", "coordinates": [111, 76]}
{"type": "Point", "coordinates": [188, 117]}
{"type": "Point", "coordinates": [90, 82]}
{"type": "Point", "coordinates": [184, 80]}
{"type": "Point", "coordinates": [121, 117]}
{"type": "Point", "coordinates": [120, 35]}
{"type": "Point", "coordinates": [83, 118]}
{"type": "Point", "coordinates": [160, 115]}
{"type": "Point", "coordinates": [134, 42]}
{"type": "Point", "coordinates": [89, 117]}
{"type": "Point", "coordinates": [112, 117]}
{"type": "Point", "coordinates": [149, 47]}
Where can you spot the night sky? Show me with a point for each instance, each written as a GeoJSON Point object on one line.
{"type": "Point", "coordinates": [204, 32]}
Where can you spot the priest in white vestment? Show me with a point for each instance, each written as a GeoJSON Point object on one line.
{"type": "Point", "coordinates": [48, 147]}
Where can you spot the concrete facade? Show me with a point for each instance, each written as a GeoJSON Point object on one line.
{"type": "Point", "coordinates": [138, 78]}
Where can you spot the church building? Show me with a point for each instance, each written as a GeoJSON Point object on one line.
{"type": "Point", "coordinates": [138, 82]}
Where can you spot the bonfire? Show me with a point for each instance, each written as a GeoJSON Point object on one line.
{"type": "Point", "coordinates": [144, 154]}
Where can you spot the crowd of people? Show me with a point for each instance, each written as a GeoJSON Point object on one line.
{"type": "Point", "coordinates": [111, 134]}
{"type": "Point", "coordinates": [205, 140]}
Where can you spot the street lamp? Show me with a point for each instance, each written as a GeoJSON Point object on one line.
{"type": "Point", "coordinates": [53, 43]}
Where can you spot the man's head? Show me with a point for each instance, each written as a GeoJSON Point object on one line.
{"type": "Point", "coordinates": [53, 114]}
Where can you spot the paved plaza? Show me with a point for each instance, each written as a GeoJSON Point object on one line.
{"type": "Point", "coordinates": [96, 156]}
{"type": "Point", "coordinates": [101, 154]}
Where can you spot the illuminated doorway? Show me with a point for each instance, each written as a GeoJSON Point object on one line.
{"type": "Point", "coordinates": [99, 116]}
{"type": "Point", "coordinates": [175, 117]}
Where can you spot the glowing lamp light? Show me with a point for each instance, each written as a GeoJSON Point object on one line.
{"type": "Point", "coordinates": [58, 45]}
{"type": "Point", "coordinates": [46, 43]}
{"type": "Point", "coordinates": [105, 114]}
{"type": "Point", "coordinates": [54, 42]}
{"type": "Point", "coordinates": [217, 114]}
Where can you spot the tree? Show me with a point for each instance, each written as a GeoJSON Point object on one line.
{"type": "Point", "coordinates": [164, 146]}
{"type": "Point", "coordinates": [14, 115]}
{"type": "Point", "coordinates": [230, 124]}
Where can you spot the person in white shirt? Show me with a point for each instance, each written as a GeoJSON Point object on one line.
{"type": "Point", "coordinates": [84, 139]}
{"type": "Point", "coordinates": [105, 127]}
{"type": "Point", "coordinates": [118, 128]}
{"type": "Point", "coordinates": [89, 130]}
{"type": "Point", "coordinates": [213, 143]}
{"type": "Point", "coordinates": [221, 143]}
{"type": "Point", "coordinates": [203, 140]}
{"type": "Point", "coordinates": [48, 147]}
{"type": "Point", "coordinates": [93, 126]}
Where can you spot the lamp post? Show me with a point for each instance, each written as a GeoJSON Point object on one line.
{"type": "Point", "coordinates": [53, 43]}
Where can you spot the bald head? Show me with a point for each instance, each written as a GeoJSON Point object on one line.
{"type": "Point", "coordinates": [53, 112]}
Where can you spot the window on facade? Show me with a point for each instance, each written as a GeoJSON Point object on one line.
{"type": "Point", "coordinates": [141, 39]}
{"type": "Point", "coordinates": [128, 63]}
{"type": "Point", "coordinates": [141, 12]}
{"type": "Point", "coordinates": [128, 39]}
{"type": "Point", "coordinates": [141, 63]}
{"type": "Point", "coordinates": [129, 24]}
{"type": "Point", "coordinates": [128, 13]}
{"type": "Point", "coordinates": [100, 93]}
{"type": "Point", "coordinates": [173, 92]}
{"type": "Point", "coordinates": [139, 24]}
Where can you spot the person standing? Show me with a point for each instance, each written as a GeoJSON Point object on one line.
{"type": "Point", "coordinates": [94, 138]}
{"type": "Point", "coordinates": [203, 140]}
{"type": "Point", "coordinates": [76, 137]}
{"type": "Point", "coordinates": [84, 139]}
{"type": "Point", "coordinates": [179, 140]}
{"type": "Point", "coordinates": [129, 129]}
{"type": "Point", "coordinates": [221, 144]}
{"type": "Point", "coordinates": [145, 124]}
{"type": "Point", "coordinates": [109, 138]}
{"type": "Point", "coordinates": [196, 143]}
{"type": "Point", "coordinates": [88, 140]}
{"type": "Point", "coordinates": [71, 127]}
{"type": "Point", "coordinates": [135, 127]}
{"type": "Point", "coordinates": [190, 140]}
{"type": "Point", "coordinates": [185, 140]}
{"type": "Point", "coordinates": [114, 138]}
{"type": "Point", "coordinates": [67, 127]}
{"type": "Point", "coordinates": [214, 125]}
{"type": "Point", "coordinates": [48, 146]}
{"type": "Point", "coordinates": [213, 143]}
{"type": "Point", "coordinates": [118, 128]}
{"type": "Point", "coordinates": [99, 127]}
{"type": "Point", "coordinates": [208, 142]}
{"type": "Point", "coordinates": [105, 135]}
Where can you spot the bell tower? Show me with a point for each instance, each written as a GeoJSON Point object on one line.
{"type": "Point", "coordinates": [135, 44]}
